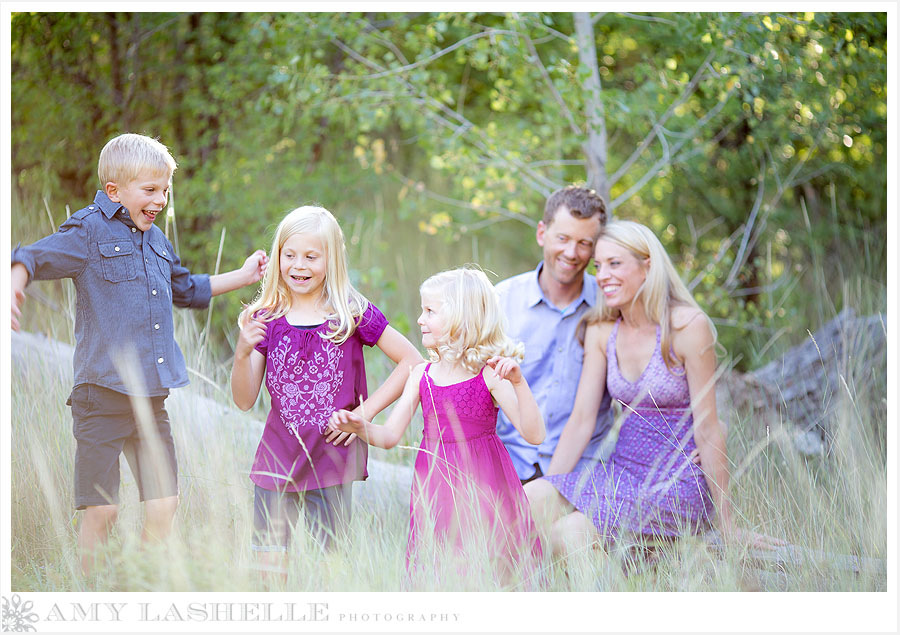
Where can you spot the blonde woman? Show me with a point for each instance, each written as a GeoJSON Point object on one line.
{"type": "Point", "coordinates": [465, 490]}
{"type": "Point", "coordinates": [651, 346]}
{"type": "Point", "coordinates": [305, 334]}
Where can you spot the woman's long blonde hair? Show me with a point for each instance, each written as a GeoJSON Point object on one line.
{"type": "Point", "coordinates": [474, 326]}
{"type": "Point", "coordinates": [661, 291]}
{"type": "Point", "coordinates": [345, 304]}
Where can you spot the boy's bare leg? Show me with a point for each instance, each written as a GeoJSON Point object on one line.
{"type": "Point", "coordinates": [96, 523]}
{"type": "Point", "coordinates": [159, 514]}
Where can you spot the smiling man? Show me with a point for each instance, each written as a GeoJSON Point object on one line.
{"type": "Point", "coordinates": [543, 308]}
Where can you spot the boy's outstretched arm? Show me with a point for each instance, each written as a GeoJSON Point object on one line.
{"type": "Point", "coordinates": [251, 272]}
{"type": "Point", "coordinates": [18, 282]}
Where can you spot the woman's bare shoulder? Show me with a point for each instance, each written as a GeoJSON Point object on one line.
{"type": "Point", "coordinates": [685, 316]}
{"type": "Point", "coordinates": [597, 333]}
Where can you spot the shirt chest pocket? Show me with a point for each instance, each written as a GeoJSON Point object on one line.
{"type": "Point", "coordinates": [117, 260]}
{"type": "Point", "coordinates": [164, 258]}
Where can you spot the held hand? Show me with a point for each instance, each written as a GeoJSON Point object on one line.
{"type": "Point", "coordinates": [18, 298]}
{"type": "Point", "coordinates": [251, 335]}
{"type": "Point", "coordinates": [506, 368]}
{"type": "Point", "coordinates": [254, 266]}
{"type": "Point", "coordinates": [343, 425]}
{"type": "Point", "coordinates": [695, 456]}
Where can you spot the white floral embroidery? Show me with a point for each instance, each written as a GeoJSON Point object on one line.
{"type": "Point", "coordinates": [305, 388]}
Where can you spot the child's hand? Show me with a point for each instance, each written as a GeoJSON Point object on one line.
{"type": "Point", "coordinates": [506, 368]}
{"type": "Point", "coordinates": [343, 424]}
{"type": "Point", "coordinates": [251, 335]}
{"type": "Point", "coordinates": [695, 456]}
{"type": "Point", "coordinates": [18, 297]}
{"type": "Point", "coordinates": [254, 267]}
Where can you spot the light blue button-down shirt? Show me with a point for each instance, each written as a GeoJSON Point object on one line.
{"type": "Point", "coordinates": [552, 366]}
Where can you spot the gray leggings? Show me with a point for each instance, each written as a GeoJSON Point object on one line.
{"type": "Point", "coordinates": [275, 515]}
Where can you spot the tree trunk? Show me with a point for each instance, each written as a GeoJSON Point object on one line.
{"type": "Point", "coordinates": [595, 146]}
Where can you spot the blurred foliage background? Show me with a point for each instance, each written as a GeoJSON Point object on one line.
{"type": "Point", "coordinates": [753, 143]}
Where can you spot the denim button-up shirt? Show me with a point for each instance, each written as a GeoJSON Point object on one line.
{"type": "Point", "coordinates": [126, 282]}
{"type": "Point", "coordinates": [552, 367]}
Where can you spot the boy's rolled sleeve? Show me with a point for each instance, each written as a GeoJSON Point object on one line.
{"type": "Point", "coordinates": [60, 255]}
{"type": "Point", "coordinates": [189, 290]}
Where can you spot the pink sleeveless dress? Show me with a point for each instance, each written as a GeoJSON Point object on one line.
{"type": "Point", "coordinates": [648, 485]}
{"type": "Point", "coordinates": [465, 490]}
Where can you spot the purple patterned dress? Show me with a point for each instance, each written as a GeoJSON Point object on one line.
{"type": "Point", "coordinates": [465, 490]}
{"type": "Point", "coordinates": [648, 485]}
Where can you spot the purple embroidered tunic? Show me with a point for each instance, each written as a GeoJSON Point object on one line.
{"type": "Point", "coordinates": [308, 378]}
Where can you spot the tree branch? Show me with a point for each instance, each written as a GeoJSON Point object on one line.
{"type": "Point", "coordinates": [687, 92]}
{"type": "Point", "coordinates": [439, 54]}
{"type": "Point", "coordinates": [573, 127]}
{"type": "Point", "coordinates": [650, 173]}
{"type": "Point", "coordinates": [538, 181]}
{"type": "Point", "coordinates": [595, 146]}
{"type": "Point", "coordinates": [502, 211]}
{"type": "Point", "coordinates": [748, 228]}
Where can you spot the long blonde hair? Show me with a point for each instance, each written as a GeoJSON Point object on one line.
{"type": "Point", "coordinates": [660, 292]}
{"type": "Point", "coordinates": [346, 304]}
{"type": "Point", "coordinates": [474, 326]}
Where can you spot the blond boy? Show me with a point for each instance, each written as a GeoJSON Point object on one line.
{"type": "Point", "coordinates": [127, 279]}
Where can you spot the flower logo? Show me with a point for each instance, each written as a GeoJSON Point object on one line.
{"type": "Point", "coordinates": [17, 615]}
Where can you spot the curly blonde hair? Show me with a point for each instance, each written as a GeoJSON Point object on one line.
{"type": "Point", "coordinates": [474, 325]}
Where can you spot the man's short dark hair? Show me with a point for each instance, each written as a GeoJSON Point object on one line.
{"type": "Point", "coordinates": [580, 201]}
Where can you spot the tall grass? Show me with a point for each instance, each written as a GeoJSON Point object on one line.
{"type": "Point", "coordinates": [835, 503]}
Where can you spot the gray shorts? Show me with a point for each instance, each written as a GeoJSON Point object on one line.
{"type": "Point", "coordinates": [105, 426]}
{"type": "Point", "coordinates": [275, 515]}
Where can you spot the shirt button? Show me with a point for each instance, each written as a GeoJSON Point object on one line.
{"type": "Point", "coordinates": [147, 260]}
{"type": "Point", "coordinates": [153, 292]}
{"type": "Point", "coordinates": [133, 229]}
{"type": "Point", "coordinates": [156, 326]}
{"type": "Point", "coordinates": [160, 360]}
{"type": "Point", "coordinates": [116, 248]}
{"type": "Point", "coordinates": [164, 253]}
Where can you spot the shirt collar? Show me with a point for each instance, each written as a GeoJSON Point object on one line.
{"type": "Point", "coordinates": [534, 294]}
{"type": "Point", "coordinates": [108, 207]}
{"type": "Point", "coordinates": [111, 208]}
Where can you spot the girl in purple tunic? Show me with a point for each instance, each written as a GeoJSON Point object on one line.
{"type": "Point", "coordinates": [467, 502]}
{"type": "Point", "coordinates": [305, 334]}
{"type": "Point", "coordinates": [650, 345]}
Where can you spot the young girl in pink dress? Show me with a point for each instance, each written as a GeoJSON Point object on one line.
{"type": "Point", "coordinates": [466, 501]}
{"type": "Point", "coordinates": [305, 334]}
